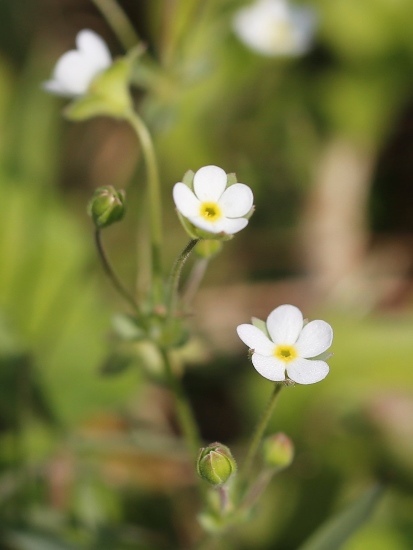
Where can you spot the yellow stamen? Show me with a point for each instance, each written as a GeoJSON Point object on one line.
{"type": "Point", "coordinates": [285, 352]}
{"type": "Point", "coordinates": [211, 211]}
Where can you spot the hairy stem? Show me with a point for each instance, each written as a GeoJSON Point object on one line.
{"type": "Point", "coordinates": [176, 275]}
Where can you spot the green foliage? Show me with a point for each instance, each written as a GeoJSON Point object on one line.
{"type": "Point", "coordinates": [335, 533]}
{"type": "Point", "coordinates": [209, 100]}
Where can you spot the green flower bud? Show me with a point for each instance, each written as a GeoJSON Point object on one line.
{"type": "Point", "coordinates": [278, 451]}
{"type": "Point", "coordinates": [216, 464]}
{"type": "Point", "coordinates": [107, 206]}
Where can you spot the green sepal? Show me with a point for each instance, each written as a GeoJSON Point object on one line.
{"type": "Point", "coordinates": [188, 179]}
{"type": "Point", "coordinates": [208, 248]}
{"type": "Point", "coordinates": [197, 233]}
{"type": "Point", "coordinates": [261, 325]}
{"type": "Point", "coordinates": [127, 327]}
{"type": "Point", "coordinates": [231, 179]}
{"type": "Point", "coordinates": [108, 94]}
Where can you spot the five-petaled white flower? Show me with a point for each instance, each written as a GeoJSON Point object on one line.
{"type": "Point", "coordinates": [288, 346]}
{"type": "Point", "coordinates": [75, 70]}
{"type": "Point", "coordinates": [211, 206]}
{"type": "Point", "coordinates": [275, 28]}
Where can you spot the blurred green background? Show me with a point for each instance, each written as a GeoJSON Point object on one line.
{"type": "Point", "coordinates": [89, 456]}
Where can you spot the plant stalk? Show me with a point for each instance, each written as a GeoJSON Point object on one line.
{"type": "Point", "coordinates": [186, 419]}
{"type": "Point", "coordinates": [173, 286]}
{"type": "Point", "coordinates": [259, 430]}
{"type": "Point", "coordinates": [111, 274]}
{"type": "Point", "coordinates": [155, 205]}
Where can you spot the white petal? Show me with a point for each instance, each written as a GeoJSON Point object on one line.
{"type": "Point", "coordinates": [273, 27]}
{"type": "Point", "coordinates": [185, 200]}
{"type": "Point", "coordinates": [236, 201]}
{"type": "Point", "coordinates": [305, 371]}
{"type": "Point", "coordinates": [315, 338]}
{"type": "Point", "coordinates": [94, 48]}
{"type": "Point", "coordinates": [232, 226]}
{"type": "Point", "coordinates": [55, 87]}
{"type": "Point", "coordinates": [269, 367]}
{"type": "Point", "coordinates": [284, 324]}
{"type": "Point", "coordinates": [210, 183]}
{"type": "Point", "coordinates": [74, 72]}
{"type": "Point", "coordinates": [224, 225]}
{"type": "Point", "coordinates": [304, 21]}
{"type": "Point", "coordinates": [255, 339]}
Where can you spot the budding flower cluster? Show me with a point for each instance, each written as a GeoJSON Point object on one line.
{"type": "Point", "coordinates": [216, 464]}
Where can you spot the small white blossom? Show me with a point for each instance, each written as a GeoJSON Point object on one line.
{"type": "Point", "coordinates": [275, 28]}
{"type": "Point", "coordinates": [287, 346]}
{"type": "Point", "coordinates": [75, 70]}
{"type": "Point", "coordinates": [211, 206]}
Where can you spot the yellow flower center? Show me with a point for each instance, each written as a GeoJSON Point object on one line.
{"type": "Point", "coordinates": [211, 211]}
{"type": "Point", "coordinates": [285, 352]}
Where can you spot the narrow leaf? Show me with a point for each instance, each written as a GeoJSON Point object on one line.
{"type": "Point", "coordinates": [333, 534]}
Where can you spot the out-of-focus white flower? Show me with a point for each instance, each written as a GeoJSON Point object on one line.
{"type": "Point", "coordinates": [75, 70]}
{"type": "Point", "coordinates": [211, 206]}
{"type": "Point", "coordinates": [284, 345]}
{"type": "Point", "coordinates": [275, 28]}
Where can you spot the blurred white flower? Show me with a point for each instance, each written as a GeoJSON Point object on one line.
{"type": "Point", "coordinates": [76, 69]}
{"type": "Point", "coordinates": [285, 345]}
{"type": "Point", "coordinates": [275, 28]}
{"type": "Point", "coordinates": [211, 206]}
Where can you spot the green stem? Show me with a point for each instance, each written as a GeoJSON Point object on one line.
{"type": "Point", "coordinates": [175, 276]}
{"type": "Point", "coordinates": [155, 205]}
{"type": "Point", "coordinates": [110, 273]}
{"type": "Point", "coordinates": [256, 490]}
{"type": "Point", "coordinates": [194, 281]}
{"type": "Point", "coordinates": [260, 429]}
{"type": "Point", "coordinates": [186, 419]}
{"type": "Point", "coordinates": [119, 22]}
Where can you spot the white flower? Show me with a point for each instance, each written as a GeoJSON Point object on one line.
{"type": "Point", "coordinates": [76, 69]}
{"type": "Point", "coordinates": [287, 346]}
{"type": "Point", "coordinates": [211, 206]}
{"type": "Point", "coordinates": [273, 27]}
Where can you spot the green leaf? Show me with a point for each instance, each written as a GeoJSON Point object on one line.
{"type": "Point", "coordinates": [30, 540]}
{"type": "Point", "coordinates": [333, 534]}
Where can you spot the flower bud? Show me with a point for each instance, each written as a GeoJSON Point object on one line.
{"type": "Point", "coordinates": [107, 206]}
{"type": "Point", "coordinates": [216, 464]}
{"type": "Point", "coordinates": [278, 451]}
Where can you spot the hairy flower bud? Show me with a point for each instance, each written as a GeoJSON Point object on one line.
{"type": "Point", "coordinates": [107, 206]}
{"type": "Point", "coordinates": [216, 464]}
{"type": "Point", "coordinates": [278, 451]}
